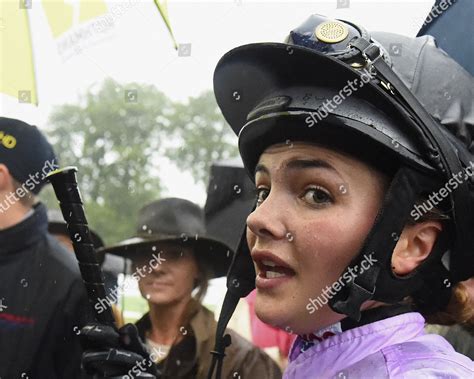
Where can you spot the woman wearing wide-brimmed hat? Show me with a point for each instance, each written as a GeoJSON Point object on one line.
{"type": "Point", "coordinates": [172, 260]}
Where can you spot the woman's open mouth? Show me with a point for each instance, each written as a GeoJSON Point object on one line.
{"type": "Point", "coordinates": [271, 270]}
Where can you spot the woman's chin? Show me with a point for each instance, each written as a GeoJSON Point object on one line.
{"type": "Point", "coordinates": [274, 313]}
{"type": "Point", "coordinates": [158, 297]}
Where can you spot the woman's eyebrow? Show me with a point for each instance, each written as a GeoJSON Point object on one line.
{"type": "Point", "coordinates": [300, 164]}
{"type": "Point", "coordinates": [261, 168]}
{"type": "Point", "coordinates": [310, 163]}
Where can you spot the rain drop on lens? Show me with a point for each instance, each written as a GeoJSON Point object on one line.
{"type": "Point", "coordinates": [144, 227]}
{"type": "Point", "coordinates": [236, 95]}
{"type": "Point", "coordinates": [289, 237]}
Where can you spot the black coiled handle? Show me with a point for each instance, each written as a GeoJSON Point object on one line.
{"type": "Point", "coordinates": [65, 186]}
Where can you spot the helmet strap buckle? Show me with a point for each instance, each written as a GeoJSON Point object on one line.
{"type": "Point", "coordinates": [357, 295]}
{"type": "Point", "coordinates": [370, 51]}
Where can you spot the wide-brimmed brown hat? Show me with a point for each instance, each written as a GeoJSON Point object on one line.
{"type": "Point", "coordinates": [178, 221]}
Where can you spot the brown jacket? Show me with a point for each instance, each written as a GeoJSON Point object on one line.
{"type": "Point", "coordinates": [191, 358]}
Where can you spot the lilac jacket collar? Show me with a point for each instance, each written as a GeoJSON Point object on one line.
{"type": "Point", "coordinates": [396, 347]}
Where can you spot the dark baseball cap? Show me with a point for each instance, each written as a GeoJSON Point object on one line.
{"type": "Point", "coordinates": [26, 152]}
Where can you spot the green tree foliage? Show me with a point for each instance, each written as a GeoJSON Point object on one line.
{"type": "Point", "coordinates": [207, 137]}
{"type": "Point", "coordinates": [117, 134]}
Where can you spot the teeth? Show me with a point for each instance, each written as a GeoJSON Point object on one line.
{"type": "Point", "coordinates": [273, 274]}
{"type": "Point", "coordinates": [269, 263]}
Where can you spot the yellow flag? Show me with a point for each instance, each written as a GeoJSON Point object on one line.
{"type": "Point", "coordinates": [17, 76]}
{"type": "Point", "coordinates": [61, 15]}
{"type": "Point", "coordinates": [162, 6]}
{"type": "Point", "coordinates": [91, 9]}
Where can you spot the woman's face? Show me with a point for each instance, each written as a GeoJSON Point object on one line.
{"type": "Point", "coordinates": [315, 209]}
{"type": "Point", "coordinates": [168, 276]}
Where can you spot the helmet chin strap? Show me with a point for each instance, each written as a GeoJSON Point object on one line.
{"type": "Point", "coordinates": [377, 282]}
{"type": "Point", "coordinates": [240, 282]}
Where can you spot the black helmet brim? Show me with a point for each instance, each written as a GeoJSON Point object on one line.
{"type": "Point", "coordinates": [260, 86]}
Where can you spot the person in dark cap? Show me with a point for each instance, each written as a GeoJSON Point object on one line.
{"type": "Point", "coordinates": [42, 299]}
{"type": "Point", "coordinates": [172, 262]}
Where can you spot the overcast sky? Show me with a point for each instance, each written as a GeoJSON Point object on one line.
{"type": "Point", "coordinates": [138, 48]}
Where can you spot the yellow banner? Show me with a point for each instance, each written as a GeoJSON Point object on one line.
{"type": "Point", "coordinates": [17, 76]}
{"type": "Point", "coordinates": [64, 16]}
{"type": "Point", "coordinates": [17, 72]}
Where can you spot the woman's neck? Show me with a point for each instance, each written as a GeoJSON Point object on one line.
{"type": "Point", "coordinates": [167, 320]}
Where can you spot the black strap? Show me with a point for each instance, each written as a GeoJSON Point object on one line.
{"type": "Point", "coordinates": [406, 187]}
{"type": "Point", "coordinates": [222, 341]}
{"type": "Point", "coordinates": [375, 314]}
{"type": "Point", "coordinates": [240, 282]}
{"type": "Point", "coordinates": [436, 290]}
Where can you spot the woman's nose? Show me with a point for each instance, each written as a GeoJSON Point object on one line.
{"type": "Point", "coordinates": [267, 220]}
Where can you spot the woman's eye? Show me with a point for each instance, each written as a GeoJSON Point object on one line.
{"type": "Point", "coordinates": [317, 196]}
{"type": "Point", "coordinates": [262, 194]}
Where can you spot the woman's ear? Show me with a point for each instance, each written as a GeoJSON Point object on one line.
{"type": "Point", "coordinates": [4, 173]}
{"type": "Point", "coordinates": [414, 246]}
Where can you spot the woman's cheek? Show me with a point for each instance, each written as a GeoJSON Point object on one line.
{"type": "Point", "coordinates": [322, 251]}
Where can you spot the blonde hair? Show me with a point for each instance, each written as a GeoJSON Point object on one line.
{"type": "Point", "coordinates": [460, 309]}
